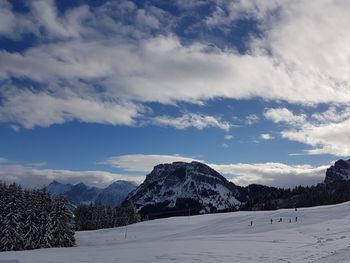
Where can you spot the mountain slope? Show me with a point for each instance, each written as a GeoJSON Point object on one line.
{"type": "Point", "coordinates": [183, 185]}
{"type": "Point", "coordinates": [81, 193]}
{"type": "Point", "coordinates": [115, 193]}
{"type": "Point", "coordinates": [340, 171]}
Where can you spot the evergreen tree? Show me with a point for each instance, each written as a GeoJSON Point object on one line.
{"type": "Point", "coordinates": [63, 225]}
{"type": "Point", "coordinates": [31, 222]}
{"type": "Point", "coordinates": [32, 219]}
{"type": "Point", "coordinates": [12, 237]}
{"type": "Point", "coordinates": [45, 216]}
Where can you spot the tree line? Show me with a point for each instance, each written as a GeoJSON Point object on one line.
{"type": "Point", "coordinates": [301, 196]}
{"type": "Point", "coordinates": [31, 219]}
{"type": "Point", "coordinates": [97, 216]}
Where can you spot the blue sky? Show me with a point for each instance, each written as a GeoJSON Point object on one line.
{"type": "Point", "coordinates": [97, 91]}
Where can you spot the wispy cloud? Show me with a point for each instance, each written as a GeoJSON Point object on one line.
{"type": "Point", "coordinates": [266, 136]}
{"type": "Point", "coordinates": [326, 132]}
{"type": "Point", "coordinates": [251, 119]}
{"type": "Point", "coordinates": [188, 120]}
{"type": "Point", "coordinates": [228, 137]}
{"type": "Point", "coordinates": [144, 162]}
{"type": "Point", "coordinates": [283, 115]}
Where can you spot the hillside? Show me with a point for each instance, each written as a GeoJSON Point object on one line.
{"type": "Point", "coordinates": [179, 186]}
{"type": "Point", "coordinates": [321, 234]}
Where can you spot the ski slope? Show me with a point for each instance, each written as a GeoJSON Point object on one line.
{"type": "Point", "coordinates": [322, 234]}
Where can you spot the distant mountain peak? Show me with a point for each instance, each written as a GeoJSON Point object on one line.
{"type": "Point", "coordinates": [55, 182]}
{"type": "Point", "coordinates": [56, 188]}
{"type": "Point", "coordinates": [112, 195]}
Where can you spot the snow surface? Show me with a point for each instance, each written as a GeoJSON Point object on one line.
{"type": "Point", "coordinates": [322, 234]}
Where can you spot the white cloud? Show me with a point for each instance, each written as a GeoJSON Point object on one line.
{"type": "Point", "coordinates": [251, 119]}
{"type": "Point", "coordinates": [332, 114]}
{"type": "Point", "coordinates": [188, 120]}
{"type": "Point", "coordinates": [144, 162]}
{"type": "Point", "coordinates": [126, 62]}
{"type": "Point", "coordinates": [46, 14]}
{"type": "Point", "coordinates": [30, 109]}
{"type": "Point", "coordinates": [283, 115]}
{"type": "Point", "coordinates": [13, 25]}
{"type": "Point", "coordinates": [326, 132]}
{"type": "Point", "coordinates": [228, 137]}
{"type": "Point", "coordinates": [32, 176]}
{"type": "Point", "coordinates": [266, 136]}
{"type": "Point", "coordinates": [272, 174]}
{"type": "Point", "coordinates": [330, 138]}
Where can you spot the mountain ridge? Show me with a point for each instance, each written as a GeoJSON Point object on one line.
{"type": "Point", "coordinates": [80, 193]}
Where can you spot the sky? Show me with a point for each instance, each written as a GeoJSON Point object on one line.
{"type": "Point", "coordinates": [97, 91]}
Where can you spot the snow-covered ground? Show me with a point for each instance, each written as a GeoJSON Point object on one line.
{"type": "Point", "coordinates": [321, 234]}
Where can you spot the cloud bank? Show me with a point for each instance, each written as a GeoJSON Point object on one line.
{"type": "Point", "coordinates": [29, 175]}
{"type": "Point", "coordinates": [269, 173]}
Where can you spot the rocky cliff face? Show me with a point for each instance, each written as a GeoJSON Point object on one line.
{"type": "Point", "coordinates": [340, 171]}
{"type": "Point", "coordinates": [181, 184]}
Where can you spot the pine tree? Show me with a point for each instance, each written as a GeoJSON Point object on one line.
{"type": "Point", "coordinates": [131, 214]}
{"type": "Point", "coordinates": [45, 202]}
{"type": "Point", "coordinates": [63, 224]}
{"type": "Point", "coordinates": [12, 230]}
{"type": "Point", "coordinates": [3, 200]}
{"type": "Point", "coordinates": [31, 222]}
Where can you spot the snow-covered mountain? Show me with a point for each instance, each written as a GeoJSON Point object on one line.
{"type": "Point", "coordinates": [80, 193]}
{"type": "Point", "coordinates": [115, 193]}
{"type": "Point", "coordinates": [180, 185]}
{"type": "Point", "coordinates": [340, 171]}
{"type": "Point", "coordinates": [55, 188]}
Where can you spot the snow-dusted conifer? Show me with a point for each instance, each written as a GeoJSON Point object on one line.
{"type": "Point", "coordinates": [31, 221]}
{"type": "Point", "coordinates": [12, 237]}
{"type": "Point", "coordinates": [63, 224]}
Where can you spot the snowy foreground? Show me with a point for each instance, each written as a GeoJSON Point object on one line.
{"type": "Point", "coordinates": [322, 234]}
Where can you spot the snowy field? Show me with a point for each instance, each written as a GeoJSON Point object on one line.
{"type": "Point", "coordinates": [322, 234]}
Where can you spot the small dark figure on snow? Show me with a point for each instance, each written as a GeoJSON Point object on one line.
{"type": "Point", "coordinates": [290, 220]}
{"type": "Point", "coordinates": [251, 223]}
{"type": "Point", "coordinates": [280, 220]}
{"type": "Point", "coordinates": [271, 221]}
{"type": "Point", "coordinates": [296, 219]}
